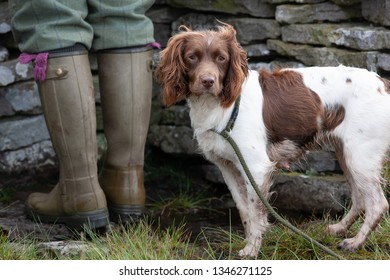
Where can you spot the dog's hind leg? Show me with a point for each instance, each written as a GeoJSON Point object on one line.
{"type": "Point", "coordinates": [363, 172]}
{"type": "Point", "coordinates": [341, 228]}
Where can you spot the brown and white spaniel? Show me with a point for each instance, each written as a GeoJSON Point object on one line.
{"type": "Point", "coordinates": [281, 114]}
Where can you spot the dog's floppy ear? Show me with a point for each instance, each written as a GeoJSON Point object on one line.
{"type": "Point", "coordinates": [238, 68]}
{"type": "Point", "coordinates": [171, 70]}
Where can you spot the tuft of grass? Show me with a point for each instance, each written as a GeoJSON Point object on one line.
{"type": "Point", "coordinates": [140, 241]}
{"type": "Point", "coordinates": [24, 249]}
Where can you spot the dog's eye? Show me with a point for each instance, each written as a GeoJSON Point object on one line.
{"type": "Point", "coordinates": [192, 57]}
{"type": "Point", "coordinates": [221, 58]}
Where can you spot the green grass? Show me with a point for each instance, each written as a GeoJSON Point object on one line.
{"type": "Point", "coordinates": [147, 240]}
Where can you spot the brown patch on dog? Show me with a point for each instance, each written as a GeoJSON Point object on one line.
{"type": "Point", "coordinates": [387, 85]}
{"type": "Point", "coordinates": [291, 110]}
{"type": "Point", "coordinates": [333, 117]}
{"type": "Point", "coordinates": [348, 80]}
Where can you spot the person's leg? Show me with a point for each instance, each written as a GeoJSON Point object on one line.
{"type": "Point", "coordinates": [121, 33]}
{"type": "Point", "coordinates": [68, 104]}
{"type": "Point", "coordinates": [126, 92]}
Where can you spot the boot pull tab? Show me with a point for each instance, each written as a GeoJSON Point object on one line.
{"type": "Point", "coordinates": [56, 72]}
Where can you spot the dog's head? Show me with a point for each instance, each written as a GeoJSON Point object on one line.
{"type": "Point", "coordinates": [202, 62]}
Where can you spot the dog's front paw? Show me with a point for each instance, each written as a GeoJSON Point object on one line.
{"type": "Point", "coordinates": [249, 251]}
{"type": "Point", "coordinates": [337, 230]}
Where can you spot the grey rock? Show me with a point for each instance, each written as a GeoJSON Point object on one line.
{"type": "Point", "coordinates": [164, 14]}
{"type": "Point", "coordinates": [376, 11]}
{"type": "Point", "coordinates": [323, 56]}
{"type": "Point", "coordinates": [176, 115]}
{"type": "Point", "coordinates": [255, 29]}
{"type": "Point", "coordinates": [4, 27]}
{"type": "Point", "coordinates": [257, 50]}
{"type": "Point", "coordinates": [12, 71]}
{"type": "Point", "coordinates": [248, 29]}
{"type": "Point", "coordinates": [5, 107]}
{"type": "Point", "coordinates": [317, 162]}
{"type": "Point", "coordinates": [173, 139]}
{"type": "Point", "coordinates": [316, 13]}
{"type": "Point", "coordinates": [6, 76]}
{"type": "Point", "coordinates": [299, 192]}
{"type": "Point", "coordinates": [20, 132]}
{"type": "Point", "coordinates": [259, 65]}
{"type": "Point", "coordinates": [35, 156]}
{"type": "Point", "coordinates": [3, 54]}
{"type": "Point", "coordinates": [360, 37]}
{"type": "Point", "coordinates": [278, 64]}
{"type": "Point", "coordinates": [195, 21]}
{"type": "Point", "coordinates": [315, 34]}
{"type": "Point", "coordinates": [257, 8]}
{"type": "Point", "coordinates": [24, 98]}
{"type": "Point", "coordinates": [384, 61]}
{"type": "Point", "coordinates": [345, 2]}
{"type": "Point", "coordinates": [313, 194]}
{"type": "Point", "coordinates": [62, 249]}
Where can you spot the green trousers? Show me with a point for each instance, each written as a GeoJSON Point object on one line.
{"type": "Point", "coordinates": [46, 25]}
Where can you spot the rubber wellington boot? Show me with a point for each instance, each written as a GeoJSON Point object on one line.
{"type": "Point", "coordinates": [125, 79]}
{"type": "Point", "coordinates": [68, 103]}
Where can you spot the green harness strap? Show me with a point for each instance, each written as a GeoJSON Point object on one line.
{"type": "Point", "coordinates": [226, 134]}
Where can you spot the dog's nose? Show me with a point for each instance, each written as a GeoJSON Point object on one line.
{"type": "Point", "coordinates": [208, 82]}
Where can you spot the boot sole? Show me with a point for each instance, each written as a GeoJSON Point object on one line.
{"type": "Point", "coordinates": [92, 219]}
{"type": "Point", "coordinates": [126, 213]}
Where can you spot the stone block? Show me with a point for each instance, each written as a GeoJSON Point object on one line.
{"type": "Point", "coordinates": [323, 56]}
{"type": "Point", "coordinates": [315, 34]}
{"type": "Point", "coordinates": [376, 11]}
{"type": "Point", "coordinates": [360, 37]}
{"type": "Point", "coordinates": [315, 162]}
{"type": "Point", "coordinates": [23, 98]}
{"type": "Point", "coordinates": [257, 50]}
{"type": "Point", "coordinates": [37, 155]}
{"type": "Point", "coordinates": [248, 29]}
{"type": "Point", "coordinates": [257, 8]}
{"type": "Point", "coordinates": [345, 2]}
{"type": "Point", "coordinates": [5, 107]}
{"type": "Point", "coordinates": [312, 194]}
{"type": "Point", "coordinates": [176, 115]}
{"type": "Point", "coordinates": [173, 139]}
{"type": "Point", "coordinates": [384, 61]}
{"type": "Point", "coordinates": [12, 71]}
{"type": "Point", "coordinates": [164, 14]}
{"type": "Point", "coordinates": [298, 192]}
{"type": "Point", "coordinates": [321, 12]}
{"type": "Point", "coordinates": [20, 132]}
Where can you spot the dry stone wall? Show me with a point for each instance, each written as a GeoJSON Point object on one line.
{"type": "Point", "coordinates": [275, 33]}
